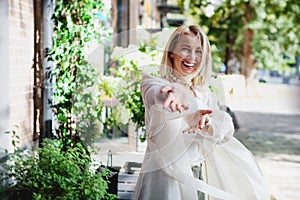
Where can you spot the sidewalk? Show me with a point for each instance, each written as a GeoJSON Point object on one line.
{"type": "Point", "coordinates": [269, 120]}
{"type": "Point", "coordinates": [274, 139]}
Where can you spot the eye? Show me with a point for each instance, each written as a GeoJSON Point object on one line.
{"type": "Point", "coordinates": [185, 49]}
{"type": "Point", "coordinates": [199, 51]}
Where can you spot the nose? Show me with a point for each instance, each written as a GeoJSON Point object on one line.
{"type": "Point", "coordinates": [192, 55]}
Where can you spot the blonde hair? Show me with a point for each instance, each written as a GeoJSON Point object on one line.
{"type": "Point", "coordinates": [203, 72]}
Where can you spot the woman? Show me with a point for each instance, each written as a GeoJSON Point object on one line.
{"type": "Point", "coordinates": [185, 130]}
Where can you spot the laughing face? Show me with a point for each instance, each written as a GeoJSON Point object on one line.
{"type": "Point", "coordinates": [187, 55]}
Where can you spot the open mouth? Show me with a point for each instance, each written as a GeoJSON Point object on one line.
{"type": "Point", "coordinates": [189, 65]}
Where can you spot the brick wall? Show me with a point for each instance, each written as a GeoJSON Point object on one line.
{"type": "Point", "coordinates": [4, 80]}
{"type": "Point", "coordinates": [21, 52]}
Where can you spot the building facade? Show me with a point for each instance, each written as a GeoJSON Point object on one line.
{"type": "Point", "coordinates": [16, 71]}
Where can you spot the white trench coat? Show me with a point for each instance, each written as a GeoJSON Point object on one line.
{"type": "Point", "coordinates": [229, 169]}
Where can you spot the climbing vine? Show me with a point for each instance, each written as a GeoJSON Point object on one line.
{"type": "Point", "coordinates": [76, 100]}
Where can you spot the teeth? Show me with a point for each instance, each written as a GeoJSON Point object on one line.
{"type": "Point", "coordinates": [189, 64]}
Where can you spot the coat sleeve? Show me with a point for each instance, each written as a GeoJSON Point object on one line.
{"type": "Point", "coordinates": [221, 121]}
{"type": "Point", "coordinates": [154, 99]}
{"type": "Point", "coordinates": [150, 88]}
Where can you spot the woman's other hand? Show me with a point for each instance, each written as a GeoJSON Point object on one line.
{"type": "Point", "coordinates": [200, 121]}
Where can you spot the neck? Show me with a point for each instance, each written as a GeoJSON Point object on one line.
{"type": "Point", "coordinates": [183, 80]}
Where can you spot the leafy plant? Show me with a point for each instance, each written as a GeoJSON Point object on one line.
{"type": "Point", "coordinates": [124, 82]}
{"type": "Point", "coordinates": [51, 172]}
{"type": "Point", "coordinates": [76, 101]}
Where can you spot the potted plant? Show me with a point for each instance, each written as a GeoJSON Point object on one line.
{"type": "Point", "coordinates": [52, 172]}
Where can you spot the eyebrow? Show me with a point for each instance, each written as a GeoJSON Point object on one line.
{"type": "Point", "coordinates": [184, 45]}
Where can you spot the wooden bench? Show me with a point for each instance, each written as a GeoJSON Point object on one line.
{"type": "Point", "coordinates": [127, 181]}
{"type": "Point", "coordinates": [126, 185]}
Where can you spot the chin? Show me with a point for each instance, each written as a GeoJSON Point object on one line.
{"type": "Point", "coordinates": [187, 72]}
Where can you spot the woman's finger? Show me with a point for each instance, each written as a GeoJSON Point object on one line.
{"type": "Point", "coordinates": [205, 112]}
{"type": "Point", "coordinates": [202, 121]}
{"type": "Point", "coordinates": [168, 101]}
{"type": "Point", "coordinates": [173, 106]}
{"type": "Point", "coordinates": [178, 108]}
{"type": "Point", "coordinates": [207, 120]}
{"type": "Point", "coordinates": [185, 107]}
{"type": "Point", "coordinates": [166, 89]}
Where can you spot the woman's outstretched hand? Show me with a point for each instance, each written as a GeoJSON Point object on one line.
{"type": "Point", "coordinates": [172, 100]}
